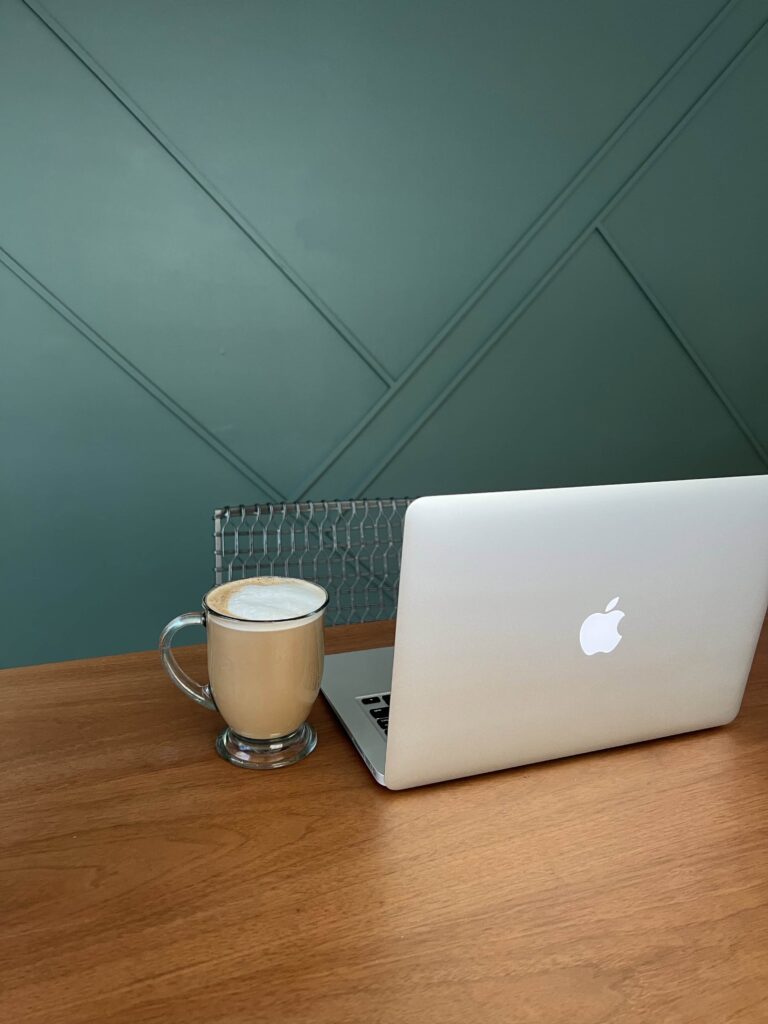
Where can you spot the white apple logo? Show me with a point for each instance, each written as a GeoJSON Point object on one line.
{"type": "Point", "coordinates": [599, 633]}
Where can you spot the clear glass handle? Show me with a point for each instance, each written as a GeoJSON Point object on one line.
{"type": "Point", "coordinates": [199, 694]}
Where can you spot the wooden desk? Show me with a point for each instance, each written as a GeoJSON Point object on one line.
{"type": "Point", "coordinates": [142, 879]}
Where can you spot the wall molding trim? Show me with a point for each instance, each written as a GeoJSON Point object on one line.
{"type": "Point", "coordinates": [683, 341]}
{"type": "Point", "coordinates": [593, 224]}
{"type": "Point", "coordinates": [227, 207]}
{"type": "Point", "coordinates": [139, 378]}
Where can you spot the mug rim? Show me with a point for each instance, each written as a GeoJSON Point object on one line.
{"type": "Point", "coordinates": [256, 622]}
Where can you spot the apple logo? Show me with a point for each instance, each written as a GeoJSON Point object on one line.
{"type": "Point", "coordinates": [599, 633]}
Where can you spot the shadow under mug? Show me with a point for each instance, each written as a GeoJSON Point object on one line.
{"type": "Point", "coordinates": [264, 677]}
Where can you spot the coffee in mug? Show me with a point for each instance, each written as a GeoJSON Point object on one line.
{"type": "Point", "coordinates": [265, 664]}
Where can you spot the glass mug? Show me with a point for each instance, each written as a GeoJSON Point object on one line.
{"type": "Point", "coordinates": [265, 662]}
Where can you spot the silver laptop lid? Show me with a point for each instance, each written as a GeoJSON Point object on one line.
{"type": "Point", "coordinates": [537, 624]}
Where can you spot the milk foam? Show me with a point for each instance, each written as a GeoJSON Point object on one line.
{"type": "Point", "coordinates": [266, 599]}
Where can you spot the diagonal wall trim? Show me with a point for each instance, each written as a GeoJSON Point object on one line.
{"type": "Point", "coordinates": [681, 339]}
{"type": "Point", "coordinates": [687, 117]}
{"type": "Point", "coordinates": [477, 357]}
{"type": "Point", "coordinates": [227, 208]}
{"type": "Point", "coordinates": [562, 197]}
{"type": "Point", "coordinates": [138, 377]}
{"type": "Point", "coordinates": [525, 239]}
{"type": "Point", "coordinates": [549, 275]}
{"type": "Point", "coordinates": [548, 270]}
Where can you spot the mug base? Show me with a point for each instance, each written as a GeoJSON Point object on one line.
{"type": "Point", "coordinates": [262, 754]}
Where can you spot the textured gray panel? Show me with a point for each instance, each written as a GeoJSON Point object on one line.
{"type": "Point", "coordinates": [588, 387]}
{"type": "Point", "coordinates": [98, 211]}
{"type": "Point", "coordinates": [109, 535]}
{"type": "Point", "coordinates": [390, 152]}
{"type": "Point", "coordinates": [695, 228]}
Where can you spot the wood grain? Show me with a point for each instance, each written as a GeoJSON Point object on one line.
{"type": "Point", "coordinates": [142, 879]}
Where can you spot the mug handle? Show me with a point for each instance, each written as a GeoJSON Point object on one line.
{"type": "Point", "coordinates": [199, 694]}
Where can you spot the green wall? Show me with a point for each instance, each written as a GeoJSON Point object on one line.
{"type": "Point", "coordinates": [255, 251]}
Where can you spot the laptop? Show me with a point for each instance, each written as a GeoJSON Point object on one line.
{"type": "Point", "coordinates": [538, 624]}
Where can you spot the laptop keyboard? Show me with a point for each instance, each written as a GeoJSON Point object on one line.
{"type": "Point", "coordinates": [377, 707]}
